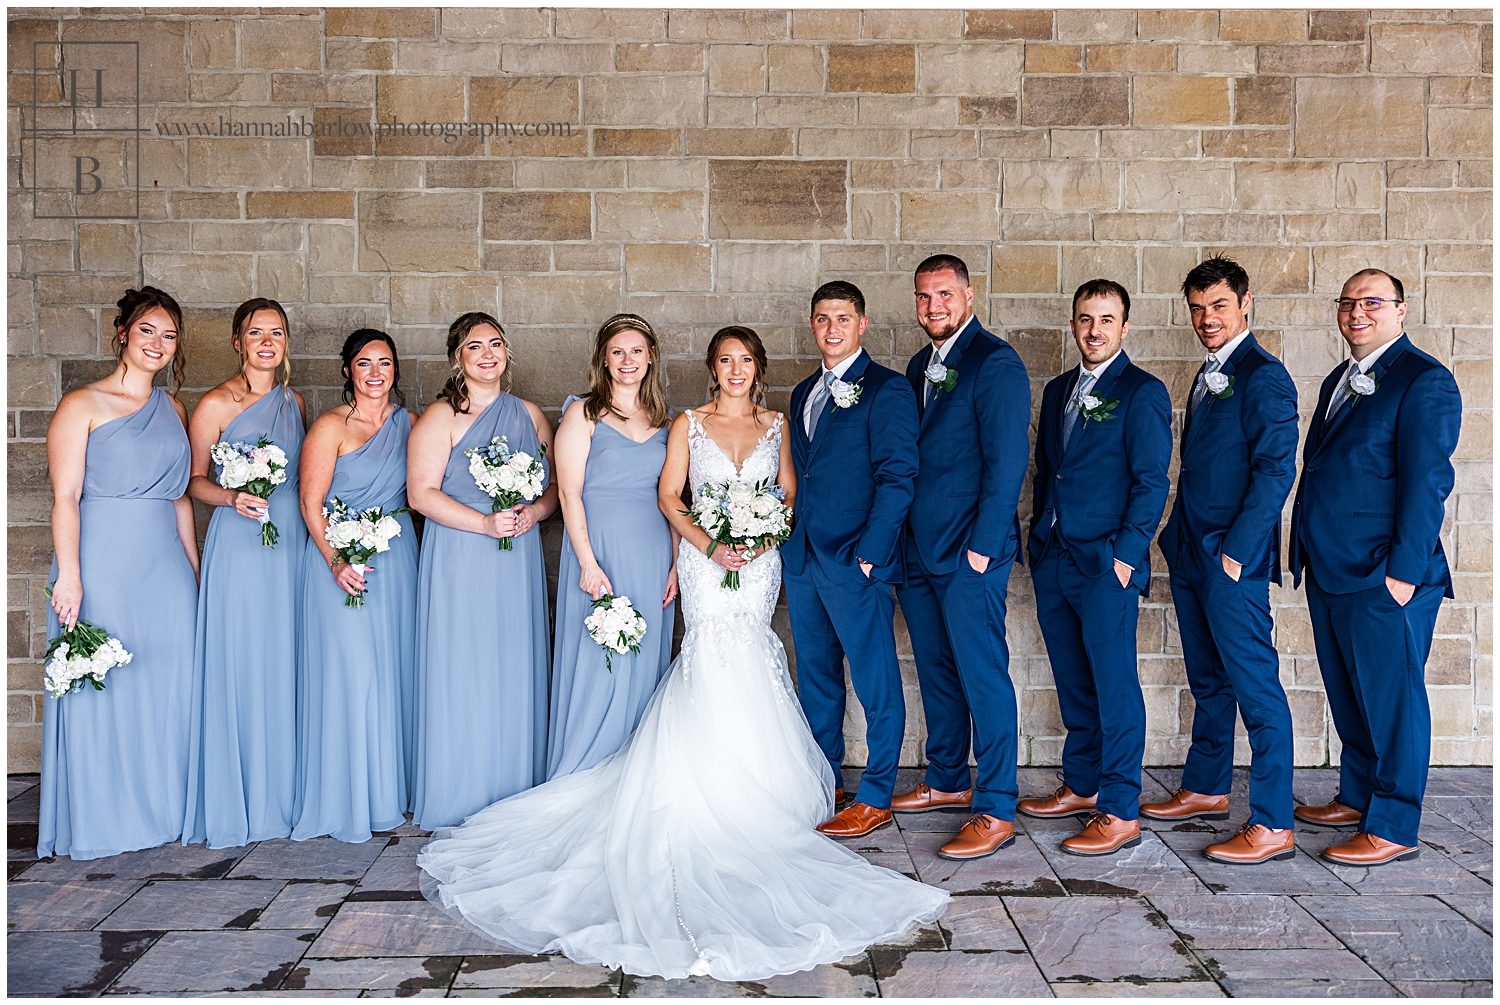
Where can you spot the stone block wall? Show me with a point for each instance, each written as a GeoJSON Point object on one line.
{"type": "Point", "coordinates": [712, 167]}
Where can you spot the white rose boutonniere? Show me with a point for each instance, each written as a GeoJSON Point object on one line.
{"type": "Point", "coordinates": [845, 394]}
{"type": "Point", "coordinates": [1093, 408]}
{"type": "Point", "coordinates": [941, 377]}
{"type": "Point", "coordinates": [1362, 384]}
{"type": "Point", "coordinates": [1220, 385]}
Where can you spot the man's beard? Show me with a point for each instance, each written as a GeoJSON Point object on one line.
{"type": "Point", "coordinates": [952, 326]}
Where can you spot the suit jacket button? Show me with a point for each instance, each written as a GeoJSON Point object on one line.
{"type": "Point", "coordinates": [1059, 477]}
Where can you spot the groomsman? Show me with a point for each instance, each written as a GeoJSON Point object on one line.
{"type": "Point", "coordinates": [1103, 446]}
{"type": "Point", "coordinates": [962, 538]}
{"type": "Point", "coordinates": [1376, 471]}
{"type": "Point", "coordinates": [1223, 548]}
{"type": "Point", "coordinates": [854, 447]}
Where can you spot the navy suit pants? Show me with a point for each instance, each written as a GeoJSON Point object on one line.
{"type": "Point", "coordinates": [957, 625]}
{"type": "Point", "coordinates": [1372, 653]}
{"type": "Point", "coordinates": [829, 620]}
{"type": "Point", "coordinates": [1232, 666]}
{"type": "Point", "coordinates": [1089, 628]}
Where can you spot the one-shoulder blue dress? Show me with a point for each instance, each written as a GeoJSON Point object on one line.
{"type": "Point", "coordinates": [242, 754]}
{"type": "Point", "coordinates": [357, 665]}
{"type": "Point", "coordinates": [114, 762]}
{"type": "Point", "coordinates": [594, 709]}
{"type": "Point", "coordinates": [482, 646]}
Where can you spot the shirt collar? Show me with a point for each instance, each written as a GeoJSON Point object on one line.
{"type": "Point", "coordinates": [844, 364]}
{"type": "Point", "coordinates": [1225, 351]}
{"type": "Point", "coordinates": [941, 351]}
{"type": "Point", "coordinates": [1369, 361]}
{"type": "Point", "coordinates": [1098, 371]}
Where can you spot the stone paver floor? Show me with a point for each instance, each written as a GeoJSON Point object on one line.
{"type": "Point", "coordinates": [325, 919]}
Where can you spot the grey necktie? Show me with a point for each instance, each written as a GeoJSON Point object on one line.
{"type": "Point", "coordinates": [1200, 389]}
{"type": "Point", "coordinates": [815, 401]}
{"type": "Point", "coordinates": [1341, 393]}
{"type": "Point", "coordinates": [1070, 413]}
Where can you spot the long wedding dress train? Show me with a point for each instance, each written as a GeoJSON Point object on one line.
{"type": "Point", "coordinates": [691, 850]}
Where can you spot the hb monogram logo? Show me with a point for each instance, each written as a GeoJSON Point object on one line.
{"type": "Point", "coordinates": [83, 130]}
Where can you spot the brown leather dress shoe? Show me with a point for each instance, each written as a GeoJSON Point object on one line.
{"type": "Point", "coordinates": [1104, 834]}
{"type": "Point", "coordinates": [1367, 849]}
{"type": "Point", "coordinates": [1062, 803]}
{"type": "Point", "coordinates": [1334, 814]}
{"type": "Point", "coordinates": [1185, 805]}
{"type": "Point", "coordinates": [980, 835]}
{"type": "Point", "coordinates": [855, 820]}
{"type": "Point", "coordinates": [1253, 844]}
{"type": "Point", "coordinates": [922, 799]}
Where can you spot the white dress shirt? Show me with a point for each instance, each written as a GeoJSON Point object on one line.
{"type": "Point", "coordinates": [1227, 350]}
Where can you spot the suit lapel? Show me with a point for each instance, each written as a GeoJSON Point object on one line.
{"type": "Point", "coordinates": [1347, 408]}
{"type": "Point", "coordinates": [799, 428]}
{"type": "Point", "coordinates": [1100, 390]}
{"type": "Point", "coordinates": [1195, 419]}
{"type": "Point", "coordinates": [922, 361]}
{"type": "Point", "coordinates": [1058, 408]}
{"type": "Point", "coordinates": [820, 434]}
{"type": "Point", "coordinates": [960, 341]}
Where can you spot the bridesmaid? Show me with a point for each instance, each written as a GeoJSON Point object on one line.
{"type": "Point", "coordinates": [114, 762]}
{"type": "Point", "coordinates": [356, 666]}
{"type": "Point", "coordinates": [242, 756]}
{"type": "Point", "coordinates": [481, 612]}
{"type": "Point", "coordinates": [610, 449]}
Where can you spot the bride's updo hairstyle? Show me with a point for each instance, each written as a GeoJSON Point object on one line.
{"type": "Point", "coordinates": [651, 396]}
{"type": "Point", "coordinates": [456, 391]}
{"type": "Point", "coordinates": [134, 305]}
{"type": "Point", "coordinates": [751, 342]}
{"type": "Point", "coordinates": [352, 346]}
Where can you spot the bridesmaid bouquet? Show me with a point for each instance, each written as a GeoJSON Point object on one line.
{"type": "Point", "coordinates": [254, 469]}
{"type": "Point", "coordinates": [617, 626]}
{"type": "Point", "coordinates": [506, 476]}
{"type": "Point", "coordinates": [357, 537]}
{"type": "Point", "coordinates": [81, 654]}
{"type": "Point", "coordinates": [738, 513]}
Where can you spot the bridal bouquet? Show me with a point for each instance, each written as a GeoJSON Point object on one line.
{"type": "Point", "coordinates": [737, 513]}
{"type": "Point", "coordinates": [617, 626]}
{"type": "Point", "coordinates": [357, 537]}
{"type": "Point", "coordinates": [81, 654]}
{"type": "Point", "coordinates": [506, 476]}
{"type": "Point", "coordinates": [254, 469]}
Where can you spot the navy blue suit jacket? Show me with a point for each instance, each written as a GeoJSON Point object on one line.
{"type": "Point", "coordinates": [974, 452]}
{"type": "Point", "coordinates": [1110, 488]}
{"type": "Point", "coordinates": [1375, 477]}
{"type": "Point", "coordinates": [855, 479]}
{"type": "Point", "coordinates": [1239, 461]}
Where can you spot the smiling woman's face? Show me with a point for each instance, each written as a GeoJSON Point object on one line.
{"type": "Point", "coordinates": [150, 341]}
{"type": "Point", "coordinates": [374, 371]}
{"type": "Point", "coordinates": [628, 357]}
{"type": "Point", "coordinates": [482, 355]}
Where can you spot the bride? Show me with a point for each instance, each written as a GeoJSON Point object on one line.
{"type": "Point", "coordinates": [692, 850]}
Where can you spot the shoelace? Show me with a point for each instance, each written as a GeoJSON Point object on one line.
{"type": "Point", "coordinates": [1096, 817]}
{"type": "Point", "coordinates": [980, 819]}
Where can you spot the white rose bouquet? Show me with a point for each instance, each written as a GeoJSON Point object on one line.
{"type": "Point", "coordinates": [256, 469]}
{"type": "Point", "coordinates": [617, 626]}
{"type": "Point", "coordinates": [81, 654]}
{"type": "Point", "coordinates": [737, 513]}
{"type": "Point", "coordinates": [507, 476]}
{"type": "Point", "coordinates": [357, 537]}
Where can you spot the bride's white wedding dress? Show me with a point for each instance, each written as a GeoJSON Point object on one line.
{"type": "Point", "coordinates": [692, 850]}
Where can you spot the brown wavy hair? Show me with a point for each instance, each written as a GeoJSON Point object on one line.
{"type": "Point", "coordinates": [652, 395]}
{"type": "Point", "coordinates": [456, 391]}
{"type": "Point", "coordinates": [751, 342]}
{"type": "Point", "coordinates": [133, 306]}
{"type": "Point", "coordinates": [242, 315]}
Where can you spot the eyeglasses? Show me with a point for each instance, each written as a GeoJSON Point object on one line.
{"type": "Point", "coordinates": [1346, 304]}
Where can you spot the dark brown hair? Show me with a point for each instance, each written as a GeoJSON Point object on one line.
{"type": "Point", "coordinates": [837, 290]}
{"type": "Point", "coordinates": [456, 391]}
{"type": "Point", "coordinates": [352, 345]}
{"type": "Point", "coordinates": [134, 305]}
{"type": "Point", "coordinates": [651, 396]}
{"type": "Point", "coordinates": [1103, 288]}
{"type": "Point", "coordinates": [944, 263]}
{"type": "Point", "coordinates": [242, 315]}
{"type": "Point", "coordinates": [1395, 283]}
{"type": "Point", "coordinates": [1216, 270]}
{"type": "Point", "coordinates": [751, 342]}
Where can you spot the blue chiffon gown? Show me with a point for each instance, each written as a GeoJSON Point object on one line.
{"type": "Point", "coordinates": [242, 755]}
{"type": "Point", "coordinates": [114, 762]}
{"type": "Point", "coordinates": [482, 641]}
{"type": "Point", "coordinates": [594, 710]}
{"type": "Point", "coordinates": [357, 665]}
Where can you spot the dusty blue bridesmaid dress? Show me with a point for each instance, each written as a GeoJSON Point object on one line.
{"type": "Point", "coordinates": [595, 710]}
{"type": "Point", "coordinates": [356, 665]}
{"type": "Point", "coordinates": [114, 762]}
{"type": "Point", "coordinates": [482, 641]}
{"type": "Point", "coordinates": [242, 755]}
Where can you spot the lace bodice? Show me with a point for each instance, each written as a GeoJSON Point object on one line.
{"type": "Point", "coordinates": [709, 464]}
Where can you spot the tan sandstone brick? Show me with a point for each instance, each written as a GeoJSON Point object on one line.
{"type": "Point", "coordinates": [1388, 109]}
{"type": "Point", "coordinates": [777, 199]}
{"type": "Point", "coordinates": [883, 68]}
{"type": "Point", "coordinates": [1424, 48]}
{"type": "Point", "coordinates": [1164, 101]}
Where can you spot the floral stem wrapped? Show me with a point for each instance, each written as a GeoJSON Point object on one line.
{"type": "Point", "coordinates": [507, 476]}
{"type": "Point", "coordinates": [617, 626]}
{"type": "Point", "coordinates": [81, 655]}
{"type": "Point", "coordinates": [357, 537]}
{"type": "Point", "coordinates": [254, 468]}
{"type": "Point", "coordinates": [738, 513]}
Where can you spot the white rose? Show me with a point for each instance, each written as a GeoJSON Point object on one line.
{"type": "Point", "coordinates": [1362, 383]}
{"type": "Point", "coordinates": [236, 472]}
{"type": "Point", "coordinates": [1216, 382]}
{"type": "Point", "coordinates": [276, 455]}
{"type": "Point", "coordinates": [936, 372]}
{"type": "Point", "coordinates": [763, 506]}
{"type": "Point", "coordinates": [259, 470]}
{"type": "Point", "coordinates": [741, 494]}
{"type": "Point", "coordinates": [388, 527]}
{"type": "Point", "coordinates": [1089, 402]}
{"type": "Point", "coordinates": [342, 535]}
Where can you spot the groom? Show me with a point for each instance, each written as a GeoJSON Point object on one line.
{"type": "Point", "coordinates": [854, 448]}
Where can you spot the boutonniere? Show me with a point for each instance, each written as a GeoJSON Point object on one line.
{"type": "Point", "coordinates": [941, 377]}
{"type": "Point", "coordinates": [1095, 408]}
{"type": "Point", "coordinates": [1362, 384]}
{"type": "Point", "coordinates": [845, 394]}
{"type": "Point", "coordinates": [1220, 385]}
